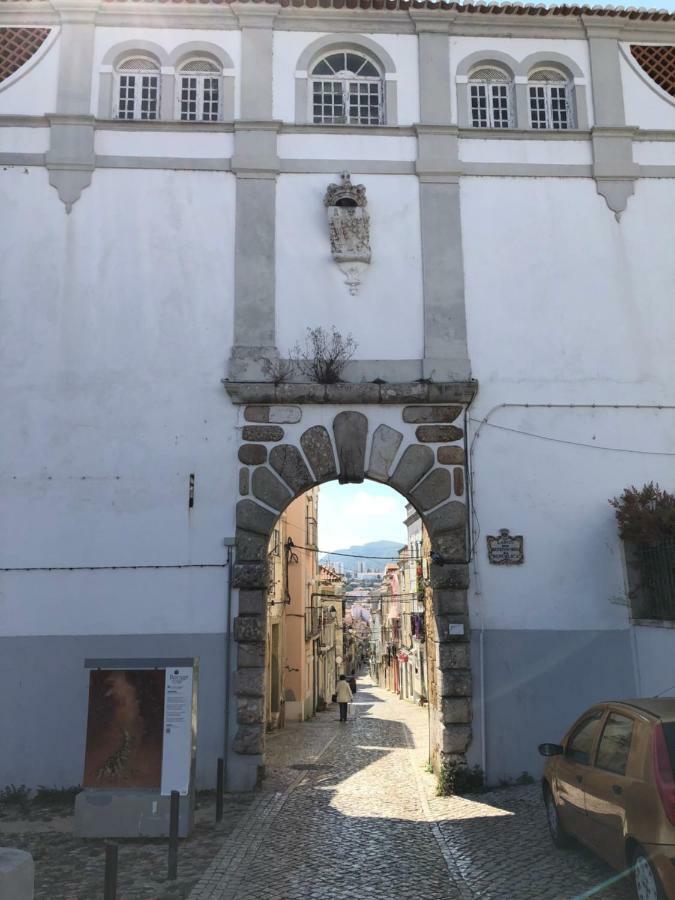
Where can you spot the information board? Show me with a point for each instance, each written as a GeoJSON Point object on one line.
{"type": "Point", "coordinates": [177, 745]}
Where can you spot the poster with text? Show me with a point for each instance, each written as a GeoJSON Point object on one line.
{"type": "Point", "coordinates": [125, 725]}
{"type": "Point", "coordinates": [177, 748]}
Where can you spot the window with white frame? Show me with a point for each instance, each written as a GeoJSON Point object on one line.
{"type": "Point", "coordinates": [490, 98]}
{"type": "Point", "coordinates": [550, 99]}
{"type": "Point", "coordinates": [199, 90]}
{"type": "Point", "coordinates": [137, 89]}
{"type": "Point", "coordinates": [347, 89]}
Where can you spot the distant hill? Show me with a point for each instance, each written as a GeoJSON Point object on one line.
{"type": "Point", "coordinates": [367, 553]}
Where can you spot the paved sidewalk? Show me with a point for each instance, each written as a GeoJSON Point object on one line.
{"type": "Point", "coordinates": [359, 817]}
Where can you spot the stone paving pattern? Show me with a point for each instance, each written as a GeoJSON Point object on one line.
{"type": "Point", "coordinates": [346, 811]}
{"type": "Point", "coordinates": [365, 821]}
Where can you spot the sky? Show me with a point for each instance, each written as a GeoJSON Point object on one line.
{"type": "Point", "coordinates": [358, 513]}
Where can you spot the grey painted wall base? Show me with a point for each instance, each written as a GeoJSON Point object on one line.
{"type": "Point", "coordinates": [47, 687]}
{"type": "Point", "coordinates": [17, 874]}
{"type": "Point", "coordinates": [536, 684]}
{"type": "Point", "coordinates": [129, 814]}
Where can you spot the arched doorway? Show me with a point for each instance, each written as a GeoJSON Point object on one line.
{"type": "Point", "coordinates": [286, 448]}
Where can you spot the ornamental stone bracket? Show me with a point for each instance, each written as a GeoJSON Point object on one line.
{"type": "Point", "coordinates": [408, 436]}
{"type": "Point", "coordinates": [70, 159]}
{"type": "Point", "coordinates": [349, 225]}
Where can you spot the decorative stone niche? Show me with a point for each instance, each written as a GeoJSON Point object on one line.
{"type": "Point", "coordinates": [349, 225]}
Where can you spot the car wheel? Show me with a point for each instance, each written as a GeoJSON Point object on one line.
{"type": "Point", "coordinates": [558, 834]}
{"type": "Point", "coordinates": [647, 884]}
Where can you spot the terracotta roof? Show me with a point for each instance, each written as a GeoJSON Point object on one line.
{"type": "Point", "coordinates": [17, 45]}
{"type": "Point", "coordinates": [658, 62]}
{"type": "Point", "coordinates": [514, 9]}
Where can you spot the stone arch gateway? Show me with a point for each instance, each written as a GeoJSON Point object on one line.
{"type": "Point", "coordinates": [411, 437]}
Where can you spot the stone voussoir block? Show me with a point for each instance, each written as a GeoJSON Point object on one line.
{"type": "Point", "coordinates": [455, 739]}
{"type": "Point", "coordinates": [425, 415]}
{"type": "Point", "coordinates": [456, 710]}
{"type": "Point", "coordinates": [438, 434]}
{"type": "Point", "coordinates": [249, 740]}
{"type": "Point", "coordinates": [243, 481]}
{"type": "Point", "coordinates": [450, 602]}
{"type": "Point", "coordinates": [318, 449]}
{"type": "Point", "coordinates": [350, 430]}
{"type": "Point", "coordinates": [250, 547]}
{"type": "Point", "coordinates": [252, 603]}
{"type": "Point", "coordinates": [458, 481]}
{"type": "Point", "coordinates": [455, 683]}
{"type": "Point", "coordinates": [287, 461]}
{"type": "Point", "coordinates": [432, 490]}
{"type": "Point", "coordinates": [449, 517]}
{"type": "Point", "coordinates": [443, 631]}
{"type": "Point", "coordinates": [250, 575]}
{"type": "Point", "coordinates": [250, 682]}
{"type": "Point", "coordinates": [451, 456]}
{"type": "Point", "coordinates": [249, 629]}
{"type": "Point", "coordinates": [268, 433]}
{"type": "Point", "coordinates": [253, 517]}
{"type": "Point", "coordinates": [453, 656]}
{"type": "Point", "coordinates": [252, 454]}
{"type": "Point", "coordinates": [250, 656]}
{"type": "Point", "coordinates": [267, 487]}
{"type": "Point", "coordinates": [250, 710]}
{"type": "Point", "coordinates": [273, 415]}
{"type": "Point", "coordinates": [450, 576]}
{"type": "Point", "coordinates": [384, 448]}
{"type": "Point", "coordinates": [412, 467]}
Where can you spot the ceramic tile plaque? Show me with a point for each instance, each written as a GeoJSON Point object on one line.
{"type": "Point", "coordinates": [505, 549]}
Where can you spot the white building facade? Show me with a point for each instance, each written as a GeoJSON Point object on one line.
{"type": "Point", "coordinates": [162, 182]}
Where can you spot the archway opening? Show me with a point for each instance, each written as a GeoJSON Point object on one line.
{"type": "Point", "coordinates": [349, 594]}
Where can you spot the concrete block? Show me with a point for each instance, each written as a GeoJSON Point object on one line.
{"type": "Point", "coordinates": [17, 874]}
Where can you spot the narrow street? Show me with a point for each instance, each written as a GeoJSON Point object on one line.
{"type": "Point", "coordinates": [359, 817]}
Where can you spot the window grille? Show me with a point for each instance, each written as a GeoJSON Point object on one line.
{"type": "Point", "coordinates": [137, 89]}
{"type": "Point", "coordinates": [654, 596]}
{"type": "Point", "coordinates": [550, 100]}
{"type": "Point", "coordinates": [199, 91]}
{"type": "Point", "coordinates": [490, 98]}
{"type": "Point", "coordinates": [347, 89]}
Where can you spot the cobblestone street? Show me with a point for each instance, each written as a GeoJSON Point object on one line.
{"type": "Point", "coordinates": [360, 818]}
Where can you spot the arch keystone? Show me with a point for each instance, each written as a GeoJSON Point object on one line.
{"type": "Point", "coordinates": [351, 432]}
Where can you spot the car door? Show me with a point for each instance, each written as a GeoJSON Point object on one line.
{"type": "Point", "coordinates": [571, 770]}
{"type": "Point", "coordinates": [607, 783]}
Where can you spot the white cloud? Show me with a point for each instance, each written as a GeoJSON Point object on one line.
{"type": "Point", "coordinates": [357, 514]}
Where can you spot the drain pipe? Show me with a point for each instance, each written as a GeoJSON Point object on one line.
{"type": "Point", "coordinates": [229, 545]}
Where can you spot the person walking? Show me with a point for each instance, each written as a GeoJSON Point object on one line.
{"type": "Point", "coordinates": [343, 696]}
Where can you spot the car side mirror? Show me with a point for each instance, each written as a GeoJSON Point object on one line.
{"type": "Point", "coordinates": [550, 749]}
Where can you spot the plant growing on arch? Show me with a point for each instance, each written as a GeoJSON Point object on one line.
{"type": "Point", "coordinates": [324, 355]}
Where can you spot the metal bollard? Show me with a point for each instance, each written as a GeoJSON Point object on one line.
{"type": "Point", "coordinates": [219, 789]}
{"type": "Point", "coordinates": [174, 810]}
{"type": "Point", "coordinates": [110, 877]}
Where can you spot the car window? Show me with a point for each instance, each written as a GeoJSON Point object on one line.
{"type": "Point", "coordinates": [669, 734]}
{"type": "Point", "coordinates": [614, 744]}
{"type": "Point", "coordinates": [580, 742]}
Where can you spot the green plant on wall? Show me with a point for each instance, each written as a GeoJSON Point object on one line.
{"type": "Point", "coordinates": [645, 515]}
{"type": "Point", "coordinates": [457, 778]}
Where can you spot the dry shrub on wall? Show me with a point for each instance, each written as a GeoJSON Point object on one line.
{"type": "Point", "coordinates": [325, 355]}
{"type": "Point", "coordinates": [645, 515]}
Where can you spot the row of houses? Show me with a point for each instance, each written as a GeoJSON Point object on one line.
{"type": "Point", "coordinates": [307, 642]}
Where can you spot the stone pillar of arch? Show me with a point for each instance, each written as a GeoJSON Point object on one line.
{"type": "Point", "coordinates": [410, 437]}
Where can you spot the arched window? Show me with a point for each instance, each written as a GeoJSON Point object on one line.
{"type": "Point", "coordinates": [347, 90]}
{"type": "Point", "coordinates": [490, 98]}
{"type": "Point", "coordinates": [550, 99]}
{"type": "Point", "coordinates": [137, 90]}
{"type": "Point", "coordinates": [199, 90]}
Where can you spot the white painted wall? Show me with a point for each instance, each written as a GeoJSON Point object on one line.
{"type": "Point", "coordinates": [189, 145]}
{"type": "Point", "coordinates": [646, 105]}
{"type": "Point", "coordinates": [113, 348]}
{"type": "Point", "coordinates": [572, 153]}
{"type": "Point", "coordinates": [347, 146]}
{"type": "Point", "coordinates": [386, 315]}
{"type": "Point", "coordinates": [654, 647]}
{"type": "Point", "coordinates": [289, 46]}
{"type": "Point", "coordinates": [31, 90]}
